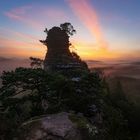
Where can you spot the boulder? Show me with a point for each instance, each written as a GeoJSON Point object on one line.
{"type": "Point", "coordinates": [50, 127]}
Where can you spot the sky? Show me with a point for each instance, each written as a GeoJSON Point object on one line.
{"type": "Point", "coordinates": [106, 29]}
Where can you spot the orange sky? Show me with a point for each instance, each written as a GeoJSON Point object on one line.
{"type": "Point", "coordinates": [23, 27]}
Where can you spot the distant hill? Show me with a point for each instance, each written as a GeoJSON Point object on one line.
{"type": "Point", "coordinates": [4, 59]}
{"type": "Point", "coordinates": [129, 76]}
{"type": "Point", "coordinates": [8, 64]}
{"type": "Point", "coordinates": [136, 63]}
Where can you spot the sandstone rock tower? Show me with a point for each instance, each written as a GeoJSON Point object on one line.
{"type": "Point", "coordinates": [58, 56]}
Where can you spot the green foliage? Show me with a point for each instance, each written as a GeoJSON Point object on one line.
{"type": "Point", "coordinates": [36, 62]}
{"type": "Point", "coordinates": [27, 93]}
{"type": "Point", "coordinates": [116, 125]}
{"type": "Point", "coordinates": [87, 130]}
{"type": "Point", "coordinates": [129, 111]}
{"type": "Point", "coordinates": [57, 89]}
{"type": "Point", "coordinates": [68, 28]}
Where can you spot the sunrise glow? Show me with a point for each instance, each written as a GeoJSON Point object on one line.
{"type": "Point", "coordinates": [103, 31]}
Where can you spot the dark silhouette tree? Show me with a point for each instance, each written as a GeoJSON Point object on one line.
{"type": "Point", "coordinates": [36, 62]}
{"type": "Point", "coordinates": [68, 28]}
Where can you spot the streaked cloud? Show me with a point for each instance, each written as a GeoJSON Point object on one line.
{"type": "Point", "coordinates": [35, 16]}
{"type": "Point", "coordinates": [20, 52]}
{"type": "Point", "coordinates": [18, 35]}
{"type": "Point", "coordinates": [14, 48]}
{"type": "Point", "coordinates": [87, 14]}
{"type": "Point", "coordinates": [20, 14]}
{"type": "Point", "coordinates": [19, 44]}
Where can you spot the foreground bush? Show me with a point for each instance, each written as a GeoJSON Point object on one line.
{"type": "Point", "coordinates": [28, 93]}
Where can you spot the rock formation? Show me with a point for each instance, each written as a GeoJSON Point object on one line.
{"type": "Point", "coordinates": [58, 56]}
{"type": "Point", "coordinates": [51, 127]}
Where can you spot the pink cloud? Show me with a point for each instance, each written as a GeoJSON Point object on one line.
{"type": "Point", "coordinates": [19, 36]}
{"type": "Point", "coordinates": [6, 42]}
{"type": "Point", "coordinates": [25, 36]}
{"type": "Point", "coordinates": [87, 14]}
{"type": "Point", "coordinates": [20, 52]}
{"type": "Point", "coordinates": [21, 14]}
{"type": "Point", "coordinates": [14, 48]}
{"type": "Point", "coordinates": [35, 16]}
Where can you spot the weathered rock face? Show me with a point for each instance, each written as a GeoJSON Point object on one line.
{"type": "Point", "coordinates": [57, 42]}
{"type": "Point", "coordinates": [52, 127]}
{"type": "Point", "coordinates": [58, 56]}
